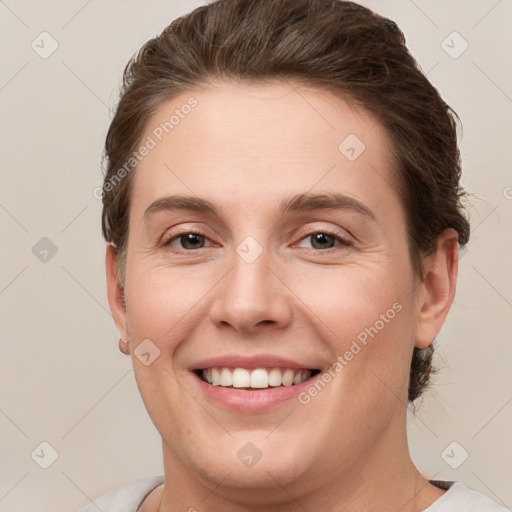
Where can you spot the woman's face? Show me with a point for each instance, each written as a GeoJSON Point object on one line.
{"type": "Point", "coordinates": [296, 259]}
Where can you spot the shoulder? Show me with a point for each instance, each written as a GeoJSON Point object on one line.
{"type": "Point", "coordinates": [459, 498]}
{"type": "Point", "coordinates": [125, 498]}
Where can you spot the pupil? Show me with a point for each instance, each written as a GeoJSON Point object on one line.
{"type": "Point", "coordinates": [188, 240]}
{"type": "Point", "coordinates": [322, 238]}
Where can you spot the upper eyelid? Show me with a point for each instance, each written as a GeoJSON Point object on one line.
{"type": "Point", "coordinates": [303, 232]}
{"type": "Point", "coordinates": [303, 220]}
{"type": "Point", "coordinates": [165, 240]}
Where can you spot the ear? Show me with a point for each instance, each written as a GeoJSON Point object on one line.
{"type": "Point", "coordinates": [437, 288]}
{"type": "Point", "coordinates": [115, 295]}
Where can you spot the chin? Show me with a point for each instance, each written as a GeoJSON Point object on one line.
{"type": "Point", "coordinates": [253, 462]}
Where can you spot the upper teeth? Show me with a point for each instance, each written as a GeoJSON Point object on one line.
{"type": "Point", "coordinates": [257, 378]}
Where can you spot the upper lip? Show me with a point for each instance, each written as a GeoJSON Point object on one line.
{"type": "Point", "coordinates": [257, 361]}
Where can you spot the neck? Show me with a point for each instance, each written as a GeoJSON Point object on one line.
{"type": "Point", "coordinates": [384, 478]}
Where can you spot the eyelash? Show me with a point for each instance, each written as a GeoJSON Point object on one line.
{"type": "Point", "coordinates": [342, 241]}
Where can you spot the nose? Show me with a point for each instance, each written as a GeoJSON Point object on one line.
{"type": "Point", "coordinates": [252, 296]}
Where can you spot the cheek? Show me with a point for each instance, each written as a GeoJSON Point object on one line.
{"type": "Point", "coordinates": [161, 302]}
{"type": "Point", "coordinates": [351, 298]}
{"type": "Point", "coordinates": [365, 316]}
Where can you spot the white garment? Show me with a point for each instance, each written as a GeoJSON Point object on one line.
{"type": "Point", "coordinates": [128, 497]}
{"type": "Point", "coordinates": [458, 498]}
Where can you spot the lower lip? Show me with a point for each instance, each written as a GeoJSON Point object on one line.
{"type": "Point", "coordinates": [253, 399]}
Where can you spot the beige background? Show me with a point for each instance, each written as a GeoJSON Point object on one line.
{"type": "Point", "coordinates": [64, 381]}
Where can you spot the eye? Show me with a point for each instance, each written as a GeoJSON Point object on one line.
{"type": "Point", "coordinates": [320, 240]}
{"type": "Point", "coordinates": [325, 240]}
{"type": "Point", "coordinates": [186, 240]}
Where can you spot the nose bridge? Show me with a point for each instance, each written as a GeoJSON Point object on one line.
{"type": "Point", "coordinates": [251, 294]}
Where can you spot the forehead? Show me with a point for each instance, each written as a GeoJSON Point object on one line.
{"type": "Point", "coordinates": [253, 143]}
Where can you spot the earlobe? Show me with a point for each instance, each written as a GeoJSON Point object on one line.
{"type": "Point", "coordinates": [438, 288]}
{"type": "Point", "coordinates": [124, 347]}
{"type": "Point", "coordinates": [115, 293]}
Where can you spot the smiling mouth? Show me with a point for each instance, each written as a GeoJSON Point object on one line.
{"type": "Point", "coordinates": [257, 378]}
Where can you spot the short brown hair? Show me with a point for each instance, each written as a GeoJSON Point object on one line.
{"type": "Point", "coordinates": [333, 45]}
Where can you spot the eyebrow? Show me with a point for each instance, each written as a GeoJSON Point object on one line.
{"type": "Point", "coordinates": [299, 202]}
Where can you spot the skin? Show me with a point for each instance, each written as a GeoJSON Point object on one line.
{"type": "Point", "coordinates": [246, 147]}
